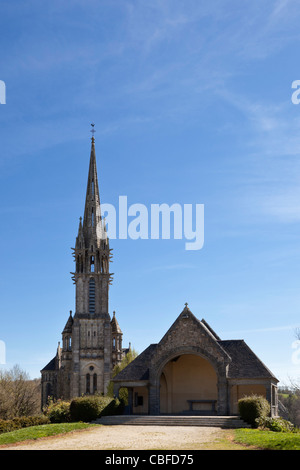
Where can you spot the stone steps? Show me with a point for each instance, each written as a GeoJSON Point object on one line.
{"type": "Point", "coordinates": [146, 420]}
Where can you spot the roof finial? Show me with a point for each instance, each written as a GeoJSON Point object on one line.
{"type": "Point", "coordinates": [186, 305]}
{"type": "Point", "coordinates": [93, 132]}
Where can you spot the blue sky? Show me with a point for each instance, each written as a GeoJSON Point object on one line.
{"type": "Point", "coordinates": [192, 105]}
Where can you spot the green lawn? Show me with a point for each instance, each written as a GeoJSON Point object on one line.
{"type": "Point", "coordinates": [268, 439]}
{"type": "Point", "coordinates": [44, 430]}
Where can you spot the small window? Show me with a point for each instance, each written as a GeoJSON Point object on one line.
{"type": "Point", "coordinates": [138, 400]}
{"type": "Point", "coordinates": [92, 264]}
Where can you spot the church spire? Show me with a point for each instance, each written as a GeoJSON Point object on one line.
{"type": "Point", "coordinates": [93, 227]}
{"type": "Point", "coordinates": [92, 253]}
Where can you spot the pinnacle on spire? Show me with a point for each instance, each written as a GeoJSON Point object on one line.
{"type": "Point", "coordinates": [80, 237]}
{"type": "Point", "coordinates": [115, 325]}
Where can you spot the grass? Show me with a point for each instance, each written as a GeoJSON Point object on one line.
{"type": "Point", "coordinates": [267, 439]}
{"type": "Point", "coordinates": [252, 439]}
{"type": "Point", "coordinates": [37, 432]}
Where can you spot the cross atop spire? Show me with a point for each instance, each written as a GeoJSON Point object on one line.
{"type": "Point", "coordinates": [93, 131]}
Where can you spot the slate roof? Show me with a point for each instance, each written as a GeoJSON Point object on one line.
{"type": "Point", "coordinates": [244, 362]}
{"type": "Point", "coordinates": [51, 365]}
{"type": "Point", "coordinates": [138, 369]}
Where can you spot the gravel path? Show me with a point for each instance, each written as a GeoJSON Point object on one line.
{"type": "Point", "coordinates": [128, 438]}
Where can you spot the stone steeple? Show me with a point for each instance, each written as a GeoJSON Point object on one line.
{"type": "Point", "coordinates": [92, 254]}
{"type": "Point", "coordinates": [91, 328]}
{"type": "Point", "coordinates": [91, 340]}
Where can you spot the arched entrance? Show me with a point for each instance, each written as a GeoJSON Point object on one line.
{"type": "Point", "coordinates": [188, 384]}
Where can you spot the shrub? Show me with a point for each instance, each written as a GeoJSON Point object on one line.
{"type": "Point", "coordinates": [275, 424]}
{"type": "Point", "coordinates": [23, 422]}
{"type": "Point", "coordinates": [253, 407]}
{"type": "Point", "coordinates": [89, 408]}
{"type": "Point", "coordinates": [58, 412]}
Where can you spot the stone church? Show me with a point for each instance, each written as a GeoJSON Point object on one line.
{"type": "Point", "coordinates": [190, 371]}
{"type": "Point", "coordinates": [91, 342]}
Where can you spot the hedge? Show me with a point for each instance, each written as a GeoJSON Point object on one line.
{"type": "Point", "coordinates": [23, 422]}
{"type": "Point", "coordinates": [89, 408]}
{"type": "Point", "coordinates": [253, 407]}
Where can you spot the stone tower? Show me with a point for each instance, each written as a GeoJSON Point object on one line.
{"type": "Point", "coordinates": [91, 340]}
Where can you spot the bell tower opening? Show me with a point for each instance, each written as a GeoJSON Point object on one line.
{"type": "Point", "coordinates": [92, 292]}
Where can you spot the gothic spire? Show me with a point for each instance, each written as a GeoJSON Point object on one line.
{"type": "Point", "coordinates": [93, 230]}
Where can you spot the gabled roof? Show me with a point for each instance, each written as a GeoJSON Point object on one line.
{"type": "Point", "coordinates": [243, 363]}
{"type": "Point", "coordinates": [196, 325]}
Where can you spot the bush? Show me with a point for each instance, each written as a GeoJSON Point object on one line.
{"type": "Point", "coordinates": [58, 412]}
{"type": "Point", "coordinates": [90, 408]}
{"type": "Point", "coordinates": [23, 422]}
{"type": "Point", "coordinates": [275, 424]}
{"type": "Point", "coordinates": [252, 408]}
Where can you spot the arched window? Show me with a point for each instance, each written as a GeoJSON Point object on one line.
{"type": "Point", "coordinates": [92, 296]}
{"type": "Point", "coordinates": [88, 383]}
{"type": "Point", "coordinates": [94, 383]}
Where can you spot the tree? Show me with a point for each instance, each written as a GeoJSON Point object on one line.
{"type": "Point", "coordinates": [130, 356]}
{"type": "Point", "coordinates": [19, 396]}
